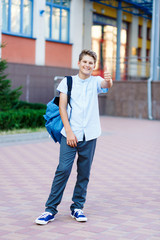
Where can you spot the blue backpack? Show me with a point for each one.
(52, 117)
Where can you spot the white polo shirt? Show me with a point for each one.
(84, 118)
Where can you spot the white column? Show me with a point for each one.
(87, 24)
(144, 41)
(155, 40)
(133, 44)
(0, 27)
(39, 31)
(76, 29)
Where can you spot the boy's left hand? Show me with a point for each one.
(107, 76)
(107, 83)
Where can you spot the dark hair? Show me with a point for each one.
(88, 52)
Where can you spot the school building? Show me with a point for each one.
(44, 38)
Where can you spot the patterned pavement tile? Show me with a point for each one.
(154, 238)
(123, 200)
(69, 237)
(83, 233)
(13, 236)
(49, 235)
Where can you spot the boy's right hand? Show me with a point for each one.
(71, 139)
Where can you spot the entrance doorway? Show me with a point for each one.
(104, 43)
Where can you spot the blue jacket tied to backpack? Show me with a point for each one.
(52, 117)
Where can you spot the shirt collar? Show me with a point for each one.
(83, 80)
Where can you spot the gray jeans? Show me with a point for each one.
(85, 151)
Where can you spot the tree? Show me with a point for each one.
(8, 97)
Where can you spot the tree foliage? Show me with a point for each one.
(8, 97)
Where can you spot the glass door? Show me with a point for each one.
(104, 43)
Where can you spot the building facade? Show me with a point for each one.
(44, 38)
(53, 32)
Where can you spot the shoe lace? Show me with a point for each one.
(45, 214)
(80, 212)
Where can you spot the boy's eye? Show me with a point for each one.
(91, 63)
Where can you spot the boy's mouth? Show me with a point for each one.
(87, 69)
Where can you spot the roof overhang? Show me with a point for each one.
(136, 7)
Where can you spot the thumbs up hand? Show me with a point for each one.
(107, 82)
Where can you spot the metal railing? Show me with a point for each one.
(130, 67)
(57, 80)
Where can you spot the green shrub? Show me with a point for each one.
(17, 119)
(24, 105)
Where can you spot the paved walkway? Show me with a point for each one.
(123, 200)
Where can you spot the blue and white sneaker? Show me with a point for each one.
(44, 218)
(78, 215)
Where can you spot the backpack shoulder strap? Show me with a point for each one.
(69, 84)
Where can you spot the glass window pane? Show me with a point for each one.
(55, 23)
(4, 15)
(15, 16)
(64, 33)
(97, 32)
(47, 22)
(27, 10)
(57, 2)
(96, 48)
(65, 3)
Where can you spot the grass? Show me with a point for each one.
(24, 130)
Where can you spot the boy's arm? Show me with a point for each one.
(71, 138)
(107, 82)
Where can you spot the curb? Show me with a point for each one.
(23, 137)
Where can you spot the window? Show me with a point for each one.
(17, 17)
(139, 54)
(148, 33)
(57, 20)
(147, 55)
(140, 31)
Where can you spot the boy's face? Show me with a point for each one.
(86, 65)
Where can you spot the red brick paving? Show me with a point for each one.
(123, 200)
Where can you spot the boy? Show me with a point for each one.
(79, 134)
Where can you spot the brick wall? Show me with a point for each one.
(129, 99)
(37, 81)
(126, 98)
